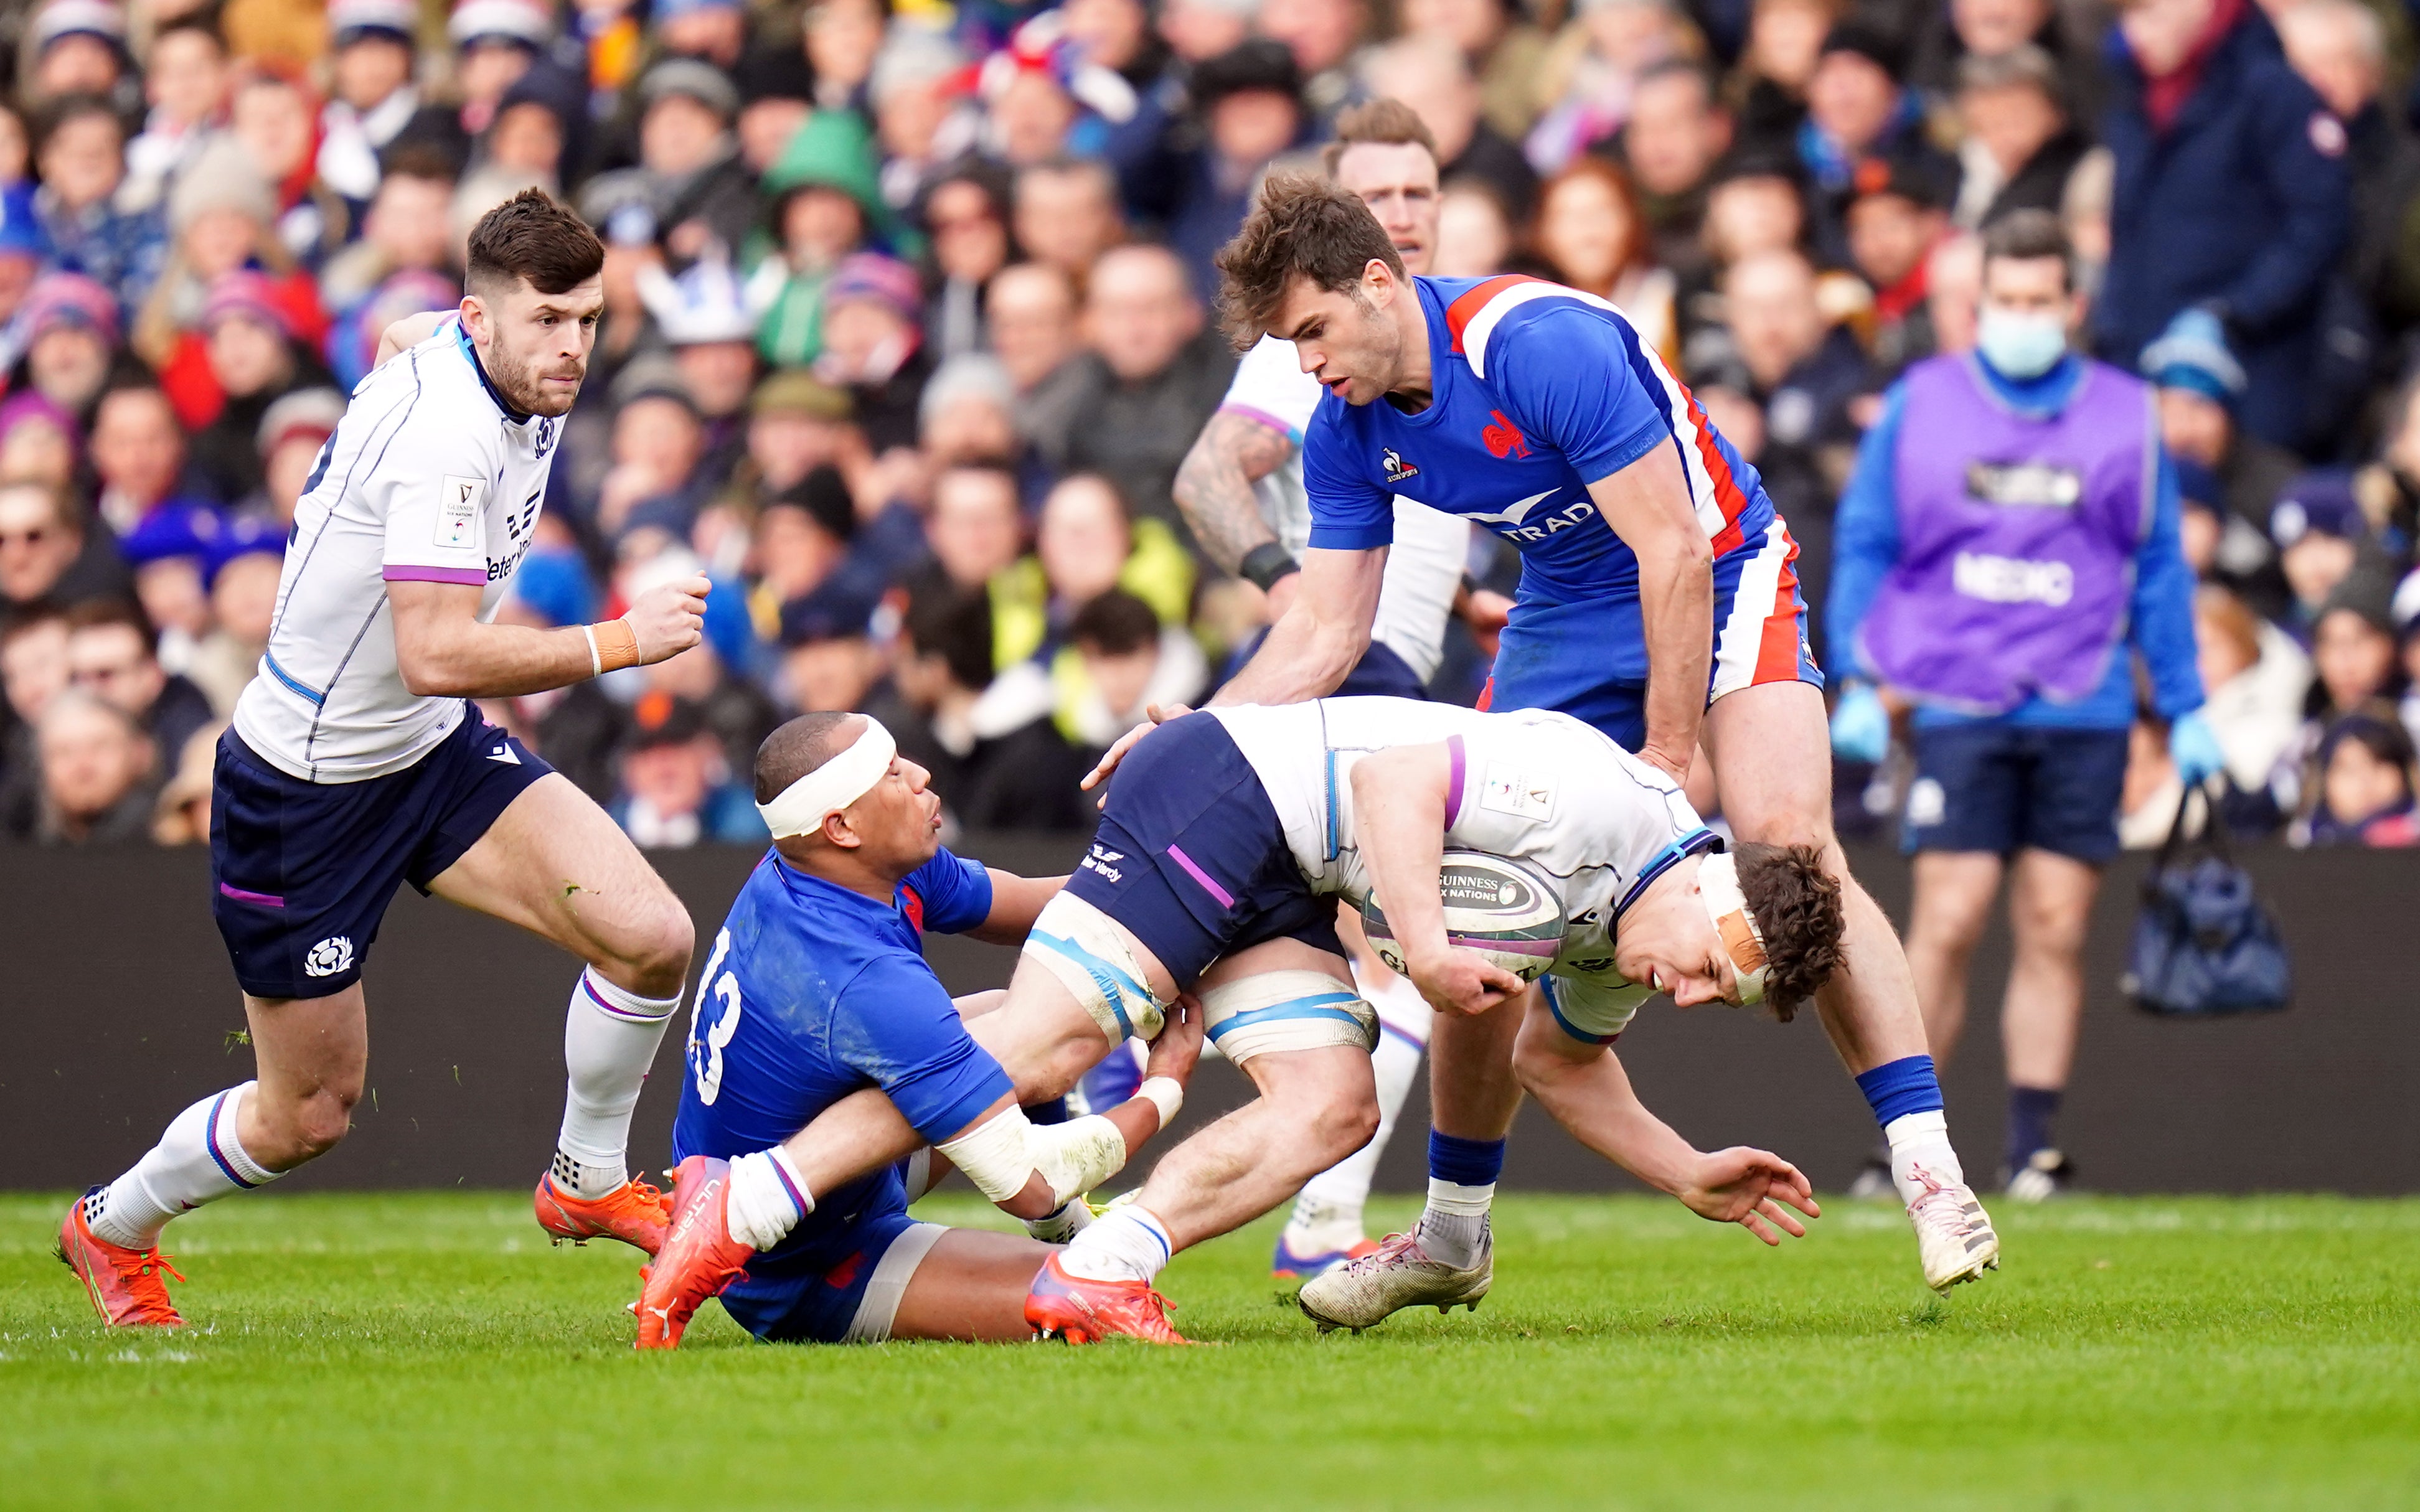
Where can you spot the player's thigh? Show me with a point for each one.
(1953, 896)
(1283, 994)
(305, 1048)
(1772, 754)
(971, 1286)
(1043, 1033)
(556, 864)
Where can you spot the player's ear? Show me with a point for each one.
(838, 833)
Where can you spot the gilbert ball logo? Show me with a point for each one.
(330, 956)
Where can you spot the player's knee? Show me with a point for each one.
(659, 949)
(307, 1127)
(1336, 1126)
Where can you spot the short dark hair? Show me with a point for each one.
(955, 626)
(2025, 234)
(27, 617)
(114, 614)
(415, 159)
(66, 111)
(1116, 623)
(1796, 903)
(1379, 123)
(794, 749)
(1303, 227)
(533, 237)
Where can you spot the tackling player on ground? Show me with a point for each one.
(1224, 849)
(816, 987)
(357, 762)
(1242, 494)
(1659, 603)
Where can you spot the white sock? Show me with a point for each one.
(1328, 1216)
(768, 1198)
(1124, 1244)
(610, 1036)
(1072, 1218)
(198, 1160)
(1453, 1227)
(1919, 1143)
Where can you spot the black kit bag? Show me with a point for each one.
(2203, 944)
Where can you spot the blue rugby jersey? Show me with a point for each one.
(814, 992)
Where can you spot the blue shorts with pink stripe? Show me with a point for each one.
(1190, 856)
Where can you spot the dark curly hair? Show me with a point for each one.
(1796, 904)
(1303, 227)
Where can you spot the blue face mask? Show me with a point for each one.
(2020, 345)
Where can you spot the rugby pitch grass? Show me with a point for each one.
(431, 1352)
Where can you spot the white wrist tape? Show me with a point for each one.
(845, 777)
(596, 658)
(994, 1155)
(1078, 1155)
(1164, 1095)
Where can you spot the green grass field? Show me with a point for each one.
(433, 1352)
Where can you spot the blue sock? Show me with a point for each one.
(1465, 1162)
(1899, 1087)
(2031, 1110)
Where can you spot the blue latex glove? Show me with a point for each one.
(1861, 726)
(2192, 744)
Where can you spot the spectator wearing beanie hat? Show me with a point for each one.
(373, 101)
(1862, 126)
(292, 433)
(874, 346)
(2200, 386)
(705, 197)
(823, 203)
(78, 46)
(68, 328)
(495, 43)
(248, 340)
(2321, 535)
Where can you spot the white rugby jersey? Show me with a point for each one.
(1425, 566)
(430, 477)
(1526, 782)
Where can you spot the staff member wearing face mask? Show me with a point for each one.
(2008, 545)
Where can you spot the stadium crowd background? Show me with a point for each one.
(908, 332)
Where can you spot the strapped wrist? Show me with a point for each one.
(1265, 564)
(612, 646)
(1165, 1094)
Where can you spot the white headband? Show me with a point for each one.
(1718, 884)
(847, 776)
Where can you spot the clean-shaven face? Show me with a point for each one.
(1668, 942)
(899, 818)
(1346, 338)
(535, 347)
(1398, 180)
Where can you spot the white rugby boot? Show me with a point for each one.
(1396, 1275)
(1953, 1233)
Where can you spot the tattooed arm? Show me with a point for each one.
(1214, 487)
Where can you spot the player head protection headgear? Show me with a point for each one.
(845, 777)
(1718, 885)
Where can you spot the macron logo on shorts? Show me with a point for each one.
(505, 754)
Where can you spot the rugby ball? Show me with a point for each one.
(1507, 910)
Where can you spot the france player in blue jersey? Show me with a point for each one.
(816, 989)
(1659, 602)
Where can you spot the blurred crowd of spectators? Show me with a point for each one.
(906, 334)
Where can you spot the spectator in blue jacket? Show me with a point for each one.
(2009, 536)
(2232, 197)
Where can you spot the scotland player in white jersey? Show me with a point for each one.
(1228, 839)
(1241, 489)
(357, 762)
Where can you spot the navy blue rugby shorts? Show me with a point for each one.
(301, 872)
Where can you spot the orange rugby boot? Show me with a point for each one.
(634, 1212)
(697, 1261)
(1083, 1311)
(129, 1288)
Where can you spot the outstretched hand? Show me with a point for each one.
(1749, 1187)
(1160, 713)
(1177, 1047)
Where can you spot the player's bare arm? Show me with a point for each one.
(442, 650)
(1314, 647)
(410, 331)
(1399, 801)
(1585, 1088)
(1214, 485)
(1646, 504)
(1015, 904)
